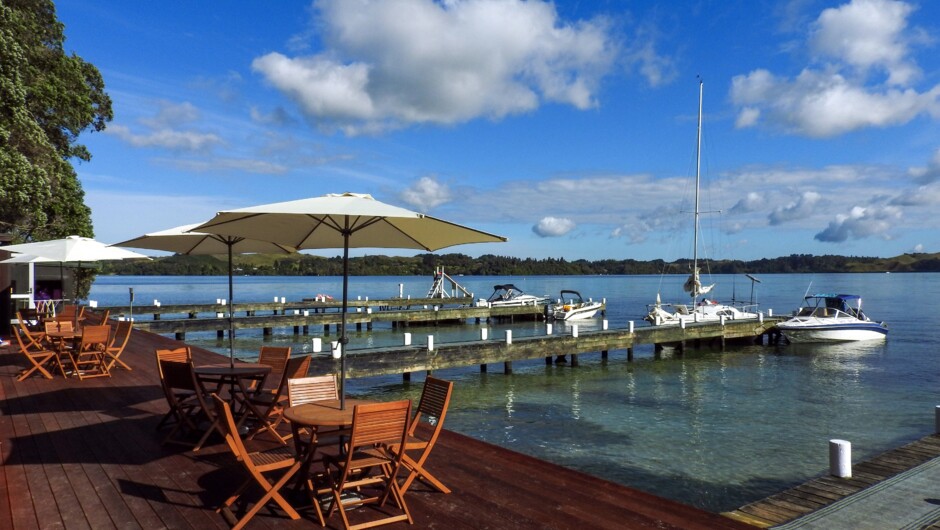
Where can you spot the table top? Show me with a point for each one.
(70, 334)
(239, 369)
(326, 412)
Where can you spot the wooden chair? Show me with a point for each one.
(432, 409)
(268, 408)
(276, 357)
(119, 340)
(89, 358)
(36, 337)
(258, 464)
(38, 357)
(314, 388)
(185, 396)
(369, 467)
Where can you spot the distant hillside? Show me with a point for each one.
(491, 265)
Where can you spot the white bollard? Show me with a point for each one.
(840, 458)
(156, 302)
(436, 308)
(770, 312)
(317, 344)
(430, 342)
(367, 299)
(401, 290)
(548, 328)
(219, 315)
(93, 303)
(223, 301)
(359, 297)
(407, 339)
(218, 300)
(722, 320)
(681, 322)
(631, 326)
(306, 312)
(334, 346)
(604, 324)
(760, 317)
(369, 310)
(297, 311)
(508, 336)
(283, 300)
(484, 333)
(359, 310)
(574, 331)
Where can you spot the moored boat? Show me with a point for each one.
(510, 295)
(831, 318)
(573, 307)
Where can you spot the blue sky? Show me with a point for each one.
(567, 127)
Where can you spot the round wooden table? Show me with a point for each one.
(323, 413)
(232, 375)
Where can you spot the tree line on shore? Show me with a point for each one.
(492, 265)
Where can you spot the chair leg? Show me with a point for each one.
(417, 471)
(272, 493)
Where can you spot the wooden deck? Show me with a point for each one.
(85, 454)
(825, 490)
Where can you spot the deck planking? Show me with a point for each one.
(86, 454)
(824, 490)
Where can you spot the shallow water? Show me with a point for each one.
(711, 429)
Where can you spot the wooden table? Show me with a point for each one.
(233, 376)
(314, 415)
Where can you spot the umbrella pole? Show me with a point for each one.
(231, 309)
(342, 338)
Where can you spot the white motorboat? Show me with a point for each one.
(705, 310)
(510, 295)
(573, 307)
(831, 318)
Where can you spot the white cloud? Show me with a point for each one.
(394, 63)
(751, 203)
(171, 115)
(859, 223)
(553, 227)
(804, 206)
(850, 45)
(867, 34)
(246, 165)
(427, 193)
(658, 69)
(167, 138)
(918, 248)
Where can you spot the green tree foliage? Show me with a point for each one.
(490, 265)
(47, 98)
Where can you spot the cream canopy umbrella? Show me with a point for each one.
(74, 249)
(182, 240)
(347, 220)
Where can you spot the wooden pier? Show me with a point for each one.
(419, 358)
(822, 491)
(86, 454)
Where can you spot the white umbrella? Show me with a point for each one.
(182, 240)
(26, 258)
(74, 248)
(343, 221)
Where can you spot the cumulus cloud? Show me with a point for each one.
(918, 248)
(859, 223)
(751, 203)
(804, 206)
(391, 64)
(929, 173)
(553, 227)
(851, 44)
(427, 193)
(658, 69)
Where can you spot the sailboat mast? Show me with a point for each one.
(698, 169)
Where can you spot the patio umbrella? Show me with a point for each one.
(182, 240)
(347, 220)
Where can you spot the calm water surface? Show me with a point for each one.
(711, 429)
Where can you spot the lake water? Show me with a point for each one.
(711, 429)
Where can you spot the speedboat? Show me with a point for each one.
(509, 295)
(573, 307)
(831, 318)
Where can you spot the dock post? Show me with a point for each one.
(407, 339)
(483, 368)
(358, 326)
(296, 330)
(326, 329)
(936, 420)
(840, 458)
(507, 367)
(406, 377)
(220, 333)
(574, 360)
(369, 326)
(306, 329)
(267, 331)
(180, 335)
(604, 354)
(548, 360)
(630, 354)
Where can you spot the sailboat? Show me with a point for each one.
(704, 310)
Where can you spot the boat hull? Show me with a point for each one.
(578, 314)
(834, 333)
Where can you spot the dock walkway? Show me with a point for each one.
(85, 454)
(898, 489)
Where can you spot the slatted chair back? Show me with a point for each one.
(38, 357)
(89, 360)
(270, 407)
(119, 340)
(184, 395)
(369, 467)
(276, 357)
(257, 464)
(432, 409)
(315, 388)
